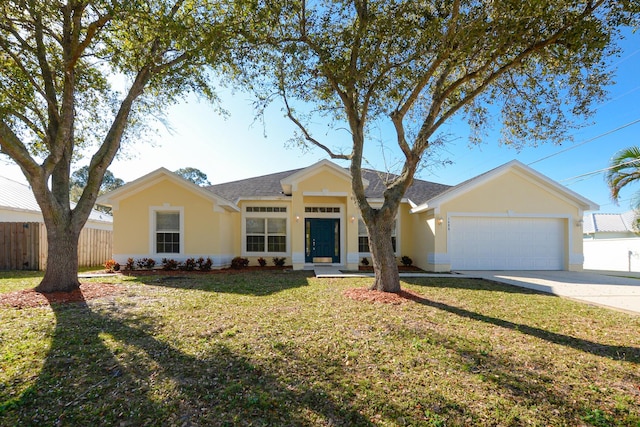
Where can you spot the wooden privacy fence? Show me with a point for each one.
(23, 246)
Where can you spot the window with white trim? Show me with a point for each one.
(363, 237)
(265, 229)
(167, 232)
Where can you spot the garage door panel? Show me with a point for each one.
(487, 243)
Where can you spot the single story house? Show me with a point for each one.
(23, 237)
(511, 217)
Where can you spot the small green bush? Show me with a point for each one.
(279, 261)
(262, 262)
(406, 261)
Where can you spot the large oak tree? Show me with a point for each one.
(62, 65)
(536, 66)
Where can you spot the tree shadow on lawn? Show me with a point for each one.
(470, 283)
(614, 352)
(105, 370)
(254, 283)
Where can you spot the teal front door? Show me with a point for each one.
(322, 240)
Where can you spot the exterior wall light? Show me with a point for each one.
(440, 220)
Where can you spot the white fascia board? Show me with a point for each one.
(521, 169)
(264, 198)
(155, 177)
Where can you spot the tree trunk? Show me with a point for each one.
(385, 267)
(61, 274)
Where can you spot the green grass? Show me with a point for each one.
(286, 349)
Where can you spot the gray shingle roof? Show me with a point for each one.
(259, 186)
(17, 196)
(269, 186)
(419, 192)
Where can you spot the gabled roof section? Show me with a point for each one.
(288, 183)
(156, 176)
(19, 197)
(419, 192)
(271, 186)
(514, 165)
(609, 222)
(259, 187)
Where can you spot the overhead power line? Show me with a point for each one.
(596, 172)
(586, 141)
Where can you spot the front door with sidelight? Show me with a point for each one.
(322, 240)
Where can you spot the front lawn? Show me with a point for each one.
(285, 349)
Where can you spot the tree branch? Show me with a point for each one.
(306, 133)
(431, 123)
(11, 145)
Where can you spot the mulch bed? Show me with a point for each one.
(367, 295)
(27, 298)
(401, 268)
(159, 271)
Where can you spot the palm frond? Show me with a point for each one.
(625, 170)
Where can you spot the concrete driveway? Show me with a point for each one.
(609, 289)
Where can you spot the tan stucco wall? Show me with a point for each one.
(206, 232)
(512, 195)
(325, 188)
(419, 230)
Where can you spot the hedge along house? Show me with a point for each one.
(511, 217)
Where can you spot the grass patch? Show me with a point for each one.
(284, 348)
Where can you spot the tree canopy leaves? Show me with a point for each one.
(82, 76)
(536, 67)
(194, 175)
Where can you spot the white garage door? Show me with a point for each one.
(485, 243)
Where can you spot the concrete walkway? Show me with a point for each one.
(608, 290)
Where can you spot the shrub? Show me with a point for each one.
(239, 262)
(169, 264)
(204, 265)
(111, 265)
(188, 265)
(364, 261)
(406, 261)
(147, 263)
(279, 261)
(130, 264)
(262, 262)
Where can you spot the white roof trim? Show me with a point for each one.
(156, 176)
(514, 165)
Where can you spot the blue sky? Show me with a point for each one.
(237, 146)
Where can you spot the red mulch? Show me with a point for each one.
(159, 271)
(364, 294)
(30, 298)
(401, 268)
